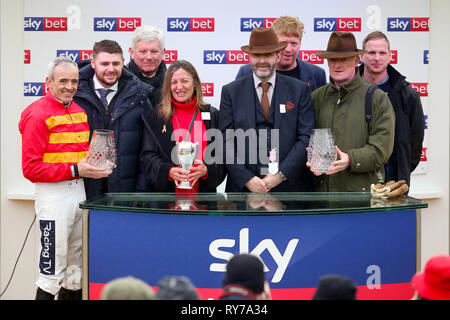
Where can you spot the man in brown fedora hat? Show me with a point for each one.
(266, 105)
(290, 30)
(364, 140)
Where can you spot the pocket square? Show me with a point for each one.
(289, 106)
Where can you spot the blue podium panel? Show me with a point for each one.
(375, 249)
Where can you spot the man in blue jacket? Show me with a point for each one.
(114, 99)
(290, 30)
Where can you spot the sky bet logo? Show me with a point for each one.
(116, 24)
(310, 56)
(170, 56)
(248, 24)
(27, 56)
(225, 57)
(423, 156)
(75, 55)
(34, 89)
(337, 24)
(190, 24)
(208, 89)
(426, 56)
(408, 24)
(421, 88)
(394, 57)
(45, 24)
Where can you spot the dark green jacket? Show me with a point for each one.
(369, 146)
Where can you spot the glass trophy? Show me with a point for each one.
(321, 150)
(102, 150)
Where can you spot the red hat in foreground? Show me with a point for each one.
(434, 282)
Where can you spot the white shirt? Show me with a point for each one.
(114, 88)
(259, 90)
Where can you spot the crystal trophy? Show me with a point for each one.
(321, 150)
(102, 150)
(187, 152)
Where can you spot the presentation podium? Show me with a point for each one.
(298, 236)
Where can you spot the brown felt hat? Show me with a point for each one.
(341, 45)
(263, 40)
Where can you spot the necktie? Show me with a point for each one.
(265, 99)
(103, 94)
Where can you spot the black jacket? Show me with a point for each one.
(157, 147)
(129, 103)
(409, 125)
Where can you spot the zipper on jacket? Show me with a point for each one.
(339, 97)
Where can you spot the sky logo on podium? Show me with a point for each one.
(224, 249)
(75, 55)
(408, 24)
(248, 24)
(337, 24)
(116, 23)
(45, 24)
(34, 89)
(190, 24)
(225, 57)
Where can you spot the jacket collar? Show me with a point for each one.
(129, 85)
(354, 84)
(396, 78)
(54, 101)
(156, 81)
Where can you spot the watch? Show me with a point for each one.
(282, 176)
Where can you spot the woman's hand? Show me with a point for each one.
(198, 171)
(178, 175)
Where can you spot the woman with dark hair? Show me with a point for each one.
(181, 116)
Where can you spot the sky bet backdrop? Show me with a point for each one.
(209, 34)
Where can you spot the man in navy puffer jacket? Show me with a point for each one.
(114, 99)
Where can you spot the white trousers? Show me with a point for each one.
(60, 222)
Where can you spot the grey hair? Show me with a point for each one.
(148, 33)
(59, 61)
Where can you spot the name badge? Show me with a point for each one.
(282, 108)
(206, 116)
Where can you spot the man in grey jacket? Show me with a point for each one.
(363, 147)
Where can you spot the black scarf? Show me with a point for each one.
(156, 81)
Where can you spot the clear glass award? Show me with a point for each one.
(321, 150)
(102, 150)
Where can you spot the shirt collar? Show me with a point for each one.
(98, 85)
(257, 81)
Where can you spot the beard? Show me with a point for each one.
(264, 74)
(108, 82)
